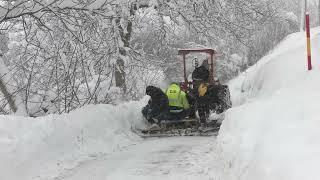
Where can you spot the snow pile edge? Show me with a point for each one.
(45, 145)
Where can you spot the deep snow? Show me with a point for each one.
(41, 148)
(270, 133)
(273, 131)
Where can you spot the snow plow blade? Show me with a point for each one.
(179, 128)
(163, 135)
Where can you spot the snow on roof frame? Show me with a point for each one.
(187, 51)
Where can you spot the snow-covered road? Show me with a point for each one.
(271, 133)
(164, 158)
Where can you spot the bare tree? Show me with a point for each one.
(7, 95)
(12, 96)
(66, 54)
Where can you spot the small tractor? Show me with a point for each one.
(221, 91)
(220, 95)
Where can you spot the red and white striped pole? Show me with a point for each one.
(308, 41)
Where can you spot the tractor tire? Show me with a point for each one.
(218, 98)
(224, 98)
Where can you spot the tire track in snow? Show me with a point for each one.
(169, 158)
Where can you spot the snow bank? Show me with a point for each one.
(272, 72)
(273, 131)
(47, 145)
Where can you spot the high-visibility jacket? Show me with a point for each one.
(177, 98)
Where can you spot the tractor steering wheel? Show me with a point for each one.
(195, 62)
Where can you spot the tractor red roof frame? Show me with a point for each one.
(187, 51)
(184, 52)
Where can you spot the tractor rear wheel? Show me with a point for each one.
(224, 99)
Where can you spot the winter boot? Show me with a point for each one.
(202, 127)
(154, 127)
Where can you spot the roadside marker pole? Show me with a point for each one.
(308, 41)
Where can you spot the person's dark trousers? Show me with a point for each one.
(148, 113)
(151, 114)
(178, 116)
(203, 111)
(191, 97)
(163, 115)
(203, 108)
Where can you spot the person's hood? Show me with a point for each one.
(151, 90)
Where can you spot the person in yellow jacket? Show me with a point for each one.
(179, 106)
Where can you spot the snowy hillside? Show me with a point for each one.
(273, 131)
